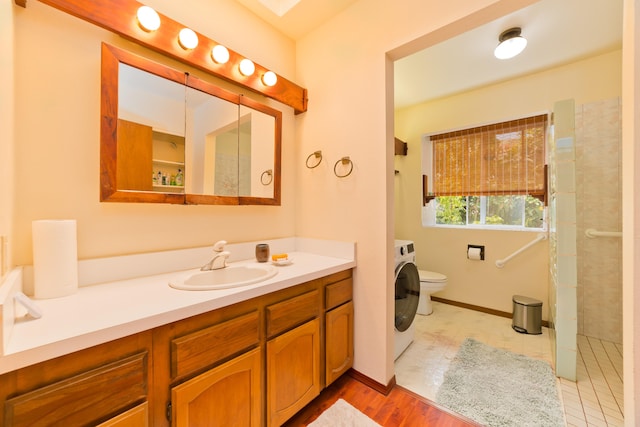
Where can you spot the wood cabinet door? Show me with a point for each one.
(339, 341)
(293, 371)
(135, 168)
(227, 395)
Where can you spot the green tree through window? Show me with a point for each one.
(498, 211)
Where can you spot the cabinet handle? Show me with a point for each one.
(169, 410)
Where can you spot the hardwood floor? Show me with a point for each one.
(400, 408)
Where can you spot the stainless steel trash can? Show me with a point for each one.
(527, 315)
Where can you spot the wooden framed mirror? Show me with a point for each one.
(168, 137)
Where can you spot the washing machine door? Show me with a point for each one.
(407, 295)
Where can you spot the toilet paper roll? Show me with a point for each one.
(55, 258)
(474, 254)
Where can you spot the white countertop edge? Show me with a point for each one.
(68, 325)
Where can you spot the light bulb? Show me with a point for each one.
(220, 54)
(188, 38)
(269, 78)
(247, 67)
(148, 18)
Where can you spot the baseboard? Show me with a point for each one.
(508, 315)
(380, 388)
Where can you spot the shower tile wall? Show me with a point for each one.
(599, 206)
(562, 239)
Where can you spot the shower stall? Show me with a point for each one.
(585, 223)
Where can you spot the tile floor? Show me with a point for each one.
(594, 400)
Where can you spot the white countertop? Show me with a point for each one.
(103, 312)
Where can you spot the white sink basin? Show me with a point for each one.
(228, 277)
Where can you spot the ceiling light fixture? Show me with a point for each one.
(148, 18)
(511, 44)
(269, 78)
(220, 54)
(247, 67)
(188, 38)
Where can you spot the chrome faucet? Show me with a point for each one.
(219, 259)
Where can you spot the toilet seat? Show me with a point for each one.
(431, 276)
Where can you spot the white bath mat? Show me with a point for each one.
(496, 387)
(341, 414)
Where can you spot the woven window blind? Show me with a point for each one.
(500, 159)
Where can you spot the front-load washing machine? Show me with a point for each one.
(407, 294)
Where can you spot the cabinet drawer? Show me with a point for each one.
(198, 350)
(336, 277)
(338, 293)
(292, 312)
(82, 399)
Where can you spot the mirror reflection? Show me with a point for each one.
(151, 139)
(212, 130)
(179, 139)
(256, 152)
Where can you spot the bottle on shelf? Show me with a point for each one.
(180, 178)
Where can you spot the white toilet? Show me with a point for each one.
(430, 282)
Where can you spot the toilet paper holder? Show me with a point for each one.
(469, 250)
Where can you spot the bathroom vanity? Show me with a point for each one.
(251, 356)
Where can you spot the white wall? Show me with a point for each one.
(444, 250)
(6, 128)
(345, 65)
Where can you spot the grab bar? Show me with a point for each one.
(592, 233)
(501, 262)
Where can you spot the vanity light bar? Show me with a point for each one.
(121, 17)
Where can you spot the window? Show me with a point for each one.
(489, 176)
(507, 212)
